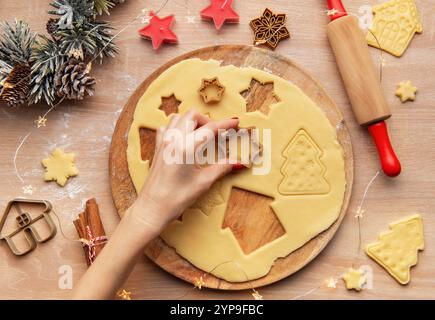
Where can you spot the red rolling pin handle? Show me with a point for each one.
(378, 130)
(337, 6)
(390, 164)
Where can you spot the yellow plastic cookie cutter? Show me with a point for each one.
(25, 225)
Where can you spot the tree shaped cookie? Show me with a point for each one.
(397, 249)
(59, 167)
(394, 26)
(303, 171)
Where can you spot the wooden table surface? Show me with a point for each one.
(86, 129)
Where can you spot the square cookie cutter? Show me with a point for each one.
(25, 224)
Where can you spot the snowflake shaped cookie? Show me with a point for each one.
(59, 167)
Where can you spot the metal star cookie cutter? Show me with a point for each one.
(25, 225)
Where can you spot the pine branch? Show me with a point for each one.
(16, 43)
(103, 6)
(72, 12)
(46, 59)
(92, 38)
(15, 46)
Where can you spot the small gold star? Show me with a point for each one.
(41, 122)
(383, 61)
(332, 12)
(124, 295)
(146, 16)
(406, 91)
(331, 283)
(28, 189)
(190, 19)
(76, 53)
(257, 295)
(199, 282)
(359, 213)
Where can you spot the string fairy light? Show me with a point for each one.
(16, 156)
(360, 210)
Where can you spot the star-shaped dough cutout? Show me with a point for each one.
(406, 91)
(270, 29)
(59, 167)
(159, 30)
(211, 90)
(220, 11)
(354, 279)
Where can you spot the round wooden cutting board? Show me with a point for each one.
(124, 193)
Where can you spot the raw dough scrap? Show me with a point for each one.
(199, 237)
(394, 26)
(59, 167)
(406, 91)
(397, 249)
(354, 279)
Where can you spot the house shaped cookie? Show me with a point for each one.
(394, 25)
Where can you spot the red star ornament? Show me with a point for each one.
(159, 30)
(220, 11)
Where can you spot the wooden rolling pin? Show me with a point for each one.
(361, 82)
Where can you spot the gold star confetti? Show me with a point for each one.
(406, 91)
(257, 295)
(145, 17)
(331, 283)
(332, 12)
(28, 189)
(41, 122)
(124, 295)
(198, 283)
(359, 213)
(354, 279)
(190, 19)
(76, 53)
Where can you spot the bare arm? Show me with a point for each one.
(160, 202)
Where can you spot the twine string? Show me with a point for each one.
(92, 243)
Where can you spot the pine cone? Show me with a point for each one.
(52, 26)
(16, 86)
(72, 80)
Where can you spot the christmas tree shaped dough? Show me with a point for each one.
(59, 167)
(199, 237)
(397, 249)
(303, 160)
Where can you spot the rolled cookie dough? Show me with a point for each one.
(306, 181)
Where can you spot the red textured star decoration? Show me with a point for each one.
(220, 11)
(159, 30)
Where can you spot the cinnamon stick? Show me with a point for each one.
(90, 228)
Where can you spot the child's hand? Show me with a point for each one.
(171, 188)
